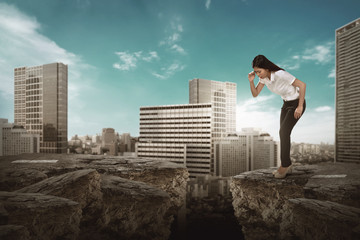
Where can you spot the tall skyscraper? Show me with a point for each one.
(126, 140)
(109, 141)
(347, 136)
(177, 133)
(41, 104)
(222, 95)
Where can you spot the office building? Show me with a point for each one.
(264, 151)
(249, 150)
(126, 141)
(40, 101)
(96, 139)
(231, 155)
(109, 141)
(14, 139)
(177, 133)
(347, 136)
(222, 96)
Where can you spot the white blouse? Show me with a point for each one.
(281, 83)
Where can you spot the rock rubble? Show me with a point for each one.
(315, 202)
(88, 197)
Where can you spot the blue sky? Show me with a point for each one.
(126, 54)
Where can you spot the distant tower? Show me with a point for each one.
(41, 104)
(249, 150)
(347, 136)
(222, 96)
(109, 141)
(126, 140)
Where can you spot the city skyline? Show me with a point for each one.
(144, 53)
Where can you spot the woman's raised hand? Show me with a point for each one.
(251, 76)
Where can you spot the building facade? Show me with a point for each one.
(109, 141)
(222, 96)
(14, 139)
(178, 133)
(126, 141)
(41, 105)
(347, 133)
(231, 155)
(249, 150)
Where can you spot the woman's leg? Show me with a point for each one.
(287, 123)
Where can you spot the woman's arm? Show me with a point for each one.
(302, 88)
(254, 90)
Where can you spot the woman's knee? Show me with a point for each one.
(284, 132)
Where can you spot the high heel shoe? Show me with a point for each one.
(275, 171)
(283, 175)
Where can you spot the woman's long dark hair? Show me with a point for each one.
(261, 61)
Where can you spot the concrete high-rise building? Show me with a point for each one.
(347, 136)
(178, 133)
(96, 139)
(126, 140)
(222, 96)
(249, 150)
(264, 152)
(41, 104)
(109, 141)
(231, 155)
(14, 139)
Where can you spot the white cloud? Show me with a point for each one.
(291, 64)
(169, 71)
(332, 73)
(207, 4)
(178, 49)
(323, 109)
(152, 55)
(21, 44)
(315, 126)
(172, 42)
(321, 54)
(128, 61)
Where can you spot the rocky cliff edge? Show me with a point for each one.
(314, 202)
(88, 197)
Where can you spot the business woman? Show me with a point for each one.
(292, 91)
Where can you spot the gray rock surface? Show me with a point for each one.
(134, 210)
(45, 217)
(13, 179)
(333, 221)
(261, 202)
(4, 215)
(109, 202)
(335, 182)
(14, 232)
(168, 176)
(82, 186)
